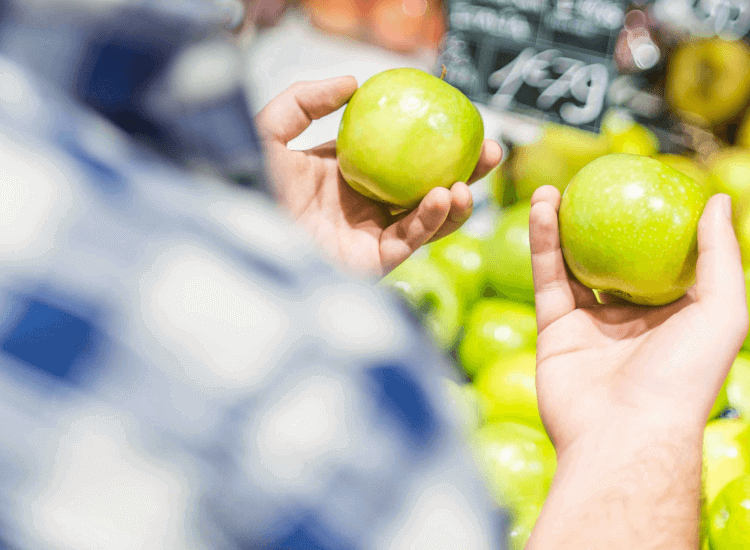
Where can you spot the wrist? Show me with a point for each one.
(630, 484)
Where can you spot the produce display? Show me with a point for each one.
(670, 128)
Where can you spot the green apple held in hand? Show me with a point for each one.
(509, 255)
(729, 522)
(431, 294)
(518, 462)
(405, 132)
(726, 454)
(628, 227)
(462, 258)
(495, 328)
(508, 388)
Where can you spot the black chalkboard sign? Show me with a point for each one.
(552, 59)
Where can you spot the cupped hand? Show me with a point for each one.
(605, 364)
(363, 235)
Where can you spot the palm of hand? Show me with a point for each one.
(597, 363)
(604, 361)
(348, 225)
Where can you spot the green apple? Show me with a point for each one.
(522, 525)
(624, 135)
(726, 454)
(431, 294)
(738, 384)
(729, 172)
(553, 158)
(509, 255)
(494, 328)
(405, 132)
(708, 81)
(628, 227)
(508, 388)
(729, 523)
(518, 462)
(687, 166)
(462, 258)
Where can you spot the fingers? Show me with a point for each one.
(399, 240)
(489, 158)
(291, 112)
(554, 292)
(462, 205)
(720, 281)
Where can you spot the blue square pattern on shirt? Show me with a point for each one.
(402, 397)
(50, 338)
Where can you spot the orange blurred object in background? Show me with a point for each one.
(400, 25)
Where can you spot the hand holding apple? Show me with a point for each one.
(622, 380)
(360, 233)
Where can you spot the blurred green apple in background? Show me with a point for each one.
(729, 172)
(708, 81)
(729, 524)
(461, 257)
(508, 388)
(628, 227)
(726, 454)
(738, 384)
(522, 525)
(508, 254)
(624, 135)
(493, 328)
(518, 462)
(557, 154)
(431, 294)
(687, 166)
(404, 132)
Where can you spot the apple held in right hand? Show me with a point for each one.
(628, 227)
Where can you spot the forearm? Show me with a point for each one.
(625, 488)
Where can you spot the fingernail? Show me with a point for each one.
(728, 207)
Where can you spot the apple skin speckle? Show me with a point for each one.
(628, 227)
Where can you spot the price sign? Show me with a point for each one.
(549, 58)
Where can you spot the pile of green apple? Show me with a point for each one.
(474, 294)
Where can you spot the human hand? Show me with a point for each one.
(597, 361)
(625, 391)
(360, 233)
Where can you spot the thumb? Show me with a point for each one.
(290, 113)
(720, 281)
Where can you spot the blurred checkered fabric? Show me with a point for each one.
(178, 368)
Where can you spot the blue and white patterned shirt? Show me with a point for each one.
(178, 367)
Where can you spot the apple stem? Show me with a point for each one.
(442, 75)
